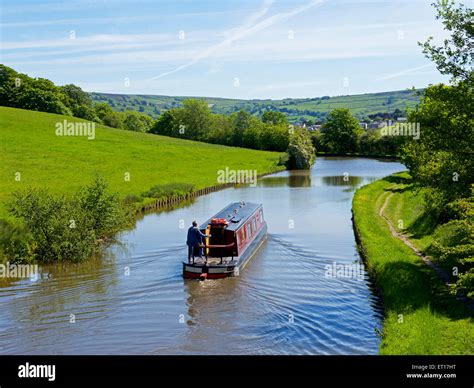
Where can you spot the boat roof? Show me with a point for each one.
(236, 213)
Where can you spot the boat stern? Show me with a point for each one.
(203, 272)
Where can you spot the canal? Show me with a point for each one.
(133, 300)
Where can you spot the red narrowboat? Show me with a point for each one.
(237, 231)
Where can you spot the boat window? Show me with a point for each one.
(249, 230)
(261, 216)
(255, 224)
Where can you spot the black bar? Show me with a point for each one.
(359, 369)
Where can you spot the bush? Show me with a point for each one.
(454, 243)
(16, 242)
(301, 151)
(106, 212)
(60, 230)
(135, 121)
(68, 228)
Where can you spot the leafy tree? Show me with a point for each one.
(442, 158)
(300, 150)
(167, 124)
(242, 120)
(86, 112)
(274, 137)
(221, 130)
(274, 117)
(341, 132)
(135, 121)
(20, 91)
(195, 115)
(108, 116)
(76, 96)
(456, 56)
(441, 161)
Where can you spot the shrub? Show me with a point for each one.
(454, 243)
(60, 230)
(16, 242)
(105, 211)
(301, 151)
(68, 228)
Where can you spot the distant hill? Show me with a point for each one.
(297, 109)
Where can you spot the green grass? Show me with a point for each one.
(421, 317)
(407, 213)
(29, 146)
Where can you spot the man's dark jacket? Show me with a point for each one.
(195, 236)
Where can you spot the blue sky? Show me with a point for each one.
(236, 48)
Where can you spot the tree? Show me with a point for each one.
(274, 117)
(456, 56)
(195, 117)
(441, 161)
(167, 124)
(76, 96)
(221, 130)
(108, 116)
(274, 137)
(20, 91)
(442, 158)
(241, 121)
(135, 121)
(300, 151)
(341, 132)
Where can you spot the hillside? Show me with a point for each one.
(29, 146)
(360, 105)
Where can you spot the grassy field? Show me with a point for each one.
(29, 146)
(360, 105)
(421, 317)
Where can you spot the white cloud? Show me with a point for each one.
(405, 72)
(247, 29)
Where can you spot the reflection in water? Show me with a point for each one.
(291, 179)
(134, 300)
(342, 180)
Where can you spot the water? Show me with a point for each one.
(134, 300)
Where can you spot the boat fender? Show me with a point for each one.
(203, 276)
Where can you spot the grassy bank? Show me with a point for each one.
(131, 162)
(421, 317)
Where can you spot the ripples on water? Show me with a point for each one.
(134, 300)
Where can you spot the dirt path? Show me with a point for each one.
(443, 275)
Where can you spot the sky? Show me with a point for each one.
(266, 49)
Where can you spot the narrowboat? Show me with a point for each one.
(237, 232)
